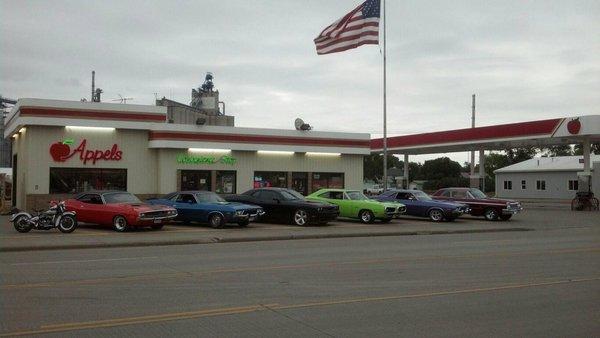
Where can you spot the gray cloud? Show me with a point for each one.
(525, 59)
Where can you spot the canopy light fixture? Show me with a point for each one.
(90, 128)
(205, 150)
(323, 154)
(275, 152)
(22, 130)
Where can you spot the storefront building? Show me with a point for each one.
(60, 148)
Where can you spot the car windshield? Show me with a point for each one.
(121, 197)
(356, 195)
(291, 195)
(421, 196)
(477, 193)
(209, 198)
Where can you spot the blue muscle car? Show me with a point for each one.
(208, 207)
(420, 204)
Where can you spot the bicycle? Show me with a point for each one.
(584, 201)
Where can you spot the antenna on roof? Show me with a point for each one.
(122, 99)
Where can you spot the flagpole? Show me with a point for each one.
(384, 105)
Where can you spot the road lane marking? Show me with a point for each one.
(84, 261)
(259, 307)
(199, 273)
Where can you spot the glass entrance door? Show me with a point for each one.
(300, 183)
(195, 180)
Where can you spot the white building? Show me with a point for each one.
(547, 178)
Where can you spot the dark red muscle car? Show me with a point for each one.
(120, 209)
(491, 208)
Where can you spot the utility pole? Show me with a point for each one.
(472, 126)
(93, 85)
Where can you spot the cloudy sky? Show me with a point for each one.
(525, 60)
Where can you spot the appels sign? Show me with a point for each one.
(61, 151)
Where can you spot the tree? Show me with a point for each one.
(440, 168)
(579, 149)
(560, 150)
(373, 166)
(516, 155)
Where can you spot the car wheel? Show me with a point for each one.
(157, 226)
(21, 224)
(436, 215)
(120, 224)
(244, 223)
(67, 224)
(300, 217)
(505, 217)
(366, 216)
(490, 214)
(216, 221)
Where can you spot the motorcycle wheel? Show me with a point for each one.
(67, 224)
(21, 225)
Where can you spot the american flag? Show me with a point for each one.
(357, 28)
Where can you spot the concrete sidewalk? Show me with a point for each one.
(87, 236)
(99, 237)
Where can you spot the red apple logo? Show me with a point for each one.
(574, 126)
(59, 151)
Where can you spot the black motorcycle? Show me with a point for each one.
(55, 217)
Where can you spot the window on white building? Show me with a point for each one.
(507, 185)
(573, 185)
(523, 185)
(540, 185)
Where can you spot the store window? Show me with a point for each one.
(267, 179)
(195, 180)
(327, 180)
(573, 185)
(300, 183)
(225, 182)
(76, 180)
(507, 185)
(540, 185)
(523, 185)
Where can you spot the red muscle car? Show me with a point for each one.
(120, 209)
(479, 203)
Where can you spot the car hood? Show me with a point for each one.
(144, 207)
(446, 204)
(495, 200)
(393, 204)
(316, 204)
(235, 205)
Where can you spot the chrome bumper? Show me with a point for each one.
(512, 211)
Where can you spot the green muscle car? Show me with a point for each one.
(354, 204)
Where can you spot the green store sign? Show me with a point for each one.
(193, 159)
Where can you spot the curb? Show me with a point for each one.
(215, 240)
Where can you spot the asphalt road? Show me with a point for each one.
(537, 283)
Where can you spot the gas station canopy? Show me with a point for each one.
(568, 130)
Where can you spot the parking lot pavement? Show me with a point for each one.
(89, 236)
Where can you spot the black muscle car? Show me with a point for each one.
(287, 206)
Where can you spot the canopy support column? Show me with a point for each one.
(482, 169)
(587, 173)
(406, 171)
